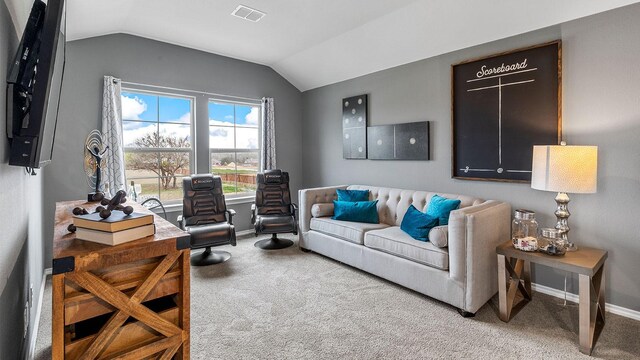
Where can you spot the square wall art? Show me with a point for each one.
(408, 141)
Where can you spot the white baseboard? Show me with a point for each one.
(34, 332)
(614, 309)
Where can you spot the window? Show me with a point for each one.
(234, 145)
(158, 146)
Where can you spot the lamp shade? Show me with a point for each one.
(564, 168)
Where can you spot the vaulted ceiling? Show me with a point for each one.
(318, 42)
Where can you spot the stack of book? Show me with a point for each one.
(116, 229)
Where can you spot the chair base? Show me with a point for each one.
(273, 244)
(208, 257)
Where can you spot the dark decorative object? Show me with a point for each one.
(111, 204)
(503, 105)
(354, 127)
(94, 157)
(408, 141)
(115, 204)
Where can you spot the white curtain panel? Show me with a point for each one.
(113, 173)
(268, 158)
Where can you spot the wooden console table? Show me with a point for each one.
(129, 301)
(514, 281)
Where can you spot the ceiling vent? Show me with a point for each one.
(248, 13)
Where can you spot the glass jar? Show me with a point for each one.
(550, 242)
(524, 230)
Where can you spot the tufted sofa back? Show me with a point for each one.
(394, 203)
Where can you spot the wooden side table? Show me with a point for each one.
(129, 301)
(514, 283)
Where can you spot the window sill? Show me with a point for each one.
(241, 200)
(233, 201)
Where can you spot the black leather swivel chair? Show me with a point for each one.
(206, 217)
(273, 212)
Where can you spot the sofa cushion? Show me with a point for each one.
(418, 224)
(345, 230)
(352, 195)
(359, 211)
(440, 207)
(439, 236)
(394, 241)
(322, 209)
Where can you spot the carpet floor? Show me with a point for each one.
(292, 305)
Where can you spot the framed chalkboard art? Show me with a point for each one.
(502, 105)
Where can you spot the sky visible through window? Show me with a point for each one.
(222, 131)
(147, 110)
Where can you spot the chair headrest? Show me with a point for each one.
(275, 176)
(203, 181)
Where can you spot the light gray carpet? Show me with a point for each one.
(292, 305)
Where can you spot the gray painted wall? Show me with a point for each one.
(21, 246)
(601, 106)
(140, 60)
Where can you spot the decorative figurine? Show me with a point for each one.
(94, 157)
(115, 204)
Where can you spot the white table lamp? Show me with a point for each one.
(565, 169)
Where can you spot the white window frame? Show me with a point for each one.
(245, 195)
(191, 150)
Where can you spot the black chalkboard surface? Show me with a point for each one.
(503, 105)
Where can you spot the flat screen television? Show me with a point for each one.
(34, 83)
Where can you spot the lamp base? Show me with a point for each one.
(562, 215)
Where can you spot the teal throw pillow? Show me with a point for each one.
(353, 195)
(440, 207)
(359, 211)
(418, 224)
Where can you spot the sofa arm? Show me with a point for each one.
(474, 233)
(308, 197)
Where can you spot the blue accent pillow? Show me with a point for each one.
(418, 224)
(359, 211)
(353, 195)
(440, 208)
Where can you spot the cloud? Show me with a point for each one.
(253, 143)
(135, 130)
(184, 119)
(252, 116)
(223, 138)
(178, 131)
(132, 107)
(219, 133)
(219, 123)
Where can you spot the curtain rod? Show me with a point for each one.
(187, 90)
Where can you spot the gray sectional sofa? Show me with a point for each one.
(457, 265)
